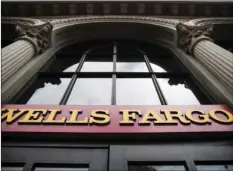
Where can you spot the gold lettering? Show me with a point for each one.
(229, 115)
(52, 117)
(203, 118)
(74, 116)
(129, 116)
(99, 117)
(151, 116)
(11, 114)
(33, 116)
(171, 114)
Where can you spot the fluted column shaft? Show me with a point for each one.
(218, 60)
(196, 41)
(15, 56)
(33, 40)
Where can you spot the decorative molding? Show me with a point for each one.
(188, 36)
(5, 10)
(215, 20)
(174, 9)
(65, 21)
(39, 9)
(141, 8)
(107, 8)
(72, 9)
(158, 9)
(90, 9)
(192, 9)
(169, 22)
(56, 9)
(208, 10)
(224, 10)
(72, 20)
(15, 20)
(22, 10)
(188, 33)
(38, 36)
(123, 8)
(148, 8)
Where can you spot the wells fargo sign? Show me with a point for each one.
(116, 119)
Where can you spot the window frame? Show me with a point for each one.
(114, 75)
(96, 159)
(188, 154)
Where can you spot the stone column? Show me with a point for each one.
(195, 41)
(32, 41)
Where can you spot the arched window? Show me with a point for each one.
(114, 73)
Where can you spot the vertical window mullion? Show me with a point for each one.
(159, 91)
(114, 74)
(66, 95)
(28, 166)
(154, 79)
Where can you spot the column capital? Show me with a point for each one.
(38, 35)
(188, 36)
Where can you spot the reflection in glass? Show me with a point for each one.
(91, 91)
(176, 93)
(136, 91)
(9, 168)
(59, 169)
(215, 167)
(97, 67)
(65, 64)
(157, 168)
(157, 68)
(131, 67)
(49, 93)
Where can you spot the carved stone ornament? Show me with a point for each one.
(188, 36)
(38, 35)
(169, 22)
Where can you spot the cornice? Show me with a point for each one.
(74, 20)
(64, 22)
(194, 28)
(28, 21)
(204, 21)
(147, 8)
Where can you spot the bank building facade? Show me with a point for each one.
(117, 85)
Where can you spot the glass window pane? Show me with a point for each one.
(139, 91)
(71, 68)
(215, 167)
(46, 91)
(9, 168)
(90, 91)
(130, 60)
(59, 169)
(157, 168)
(99, 60)
(157, 68)
(177, 94)
(97, 67)
(131, 67)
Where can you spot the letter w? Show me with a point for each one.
(11, 114)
